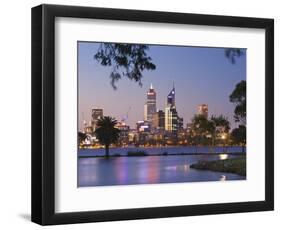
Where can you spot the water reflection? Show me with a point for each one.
(147, 170)
(178, 168)
(121, 170)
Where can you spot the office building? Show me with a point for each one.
(158, 120)
(150, 105)
(172, 121)
(96, 115)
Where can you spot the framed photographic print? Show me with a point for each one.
(142, 114)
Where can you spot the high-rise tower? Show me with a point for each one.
(172, 120)
(171, 98)
(96, 115)
(150, 105)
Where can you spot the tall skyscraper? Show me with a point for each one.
(171, 118)
(150, 105)
(171, 98)
(172, 121)
(161, 119)
(158, 120)
(203, 110)
(96, 115)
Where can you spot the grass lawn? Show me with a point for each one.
(236, 165)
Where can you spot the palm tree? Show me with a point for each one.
(106, 132)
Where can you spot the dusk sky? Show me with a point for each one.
(201, 76)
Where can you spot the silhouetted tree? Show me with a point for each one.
(238, 136)
(221, 124)
(201, 128)
(238, 97)
(128, 60)
(233, 53)
(106, 132)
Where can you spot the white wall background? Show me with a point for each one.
(15, 113)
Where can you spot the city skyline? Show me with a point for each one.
(195, 87)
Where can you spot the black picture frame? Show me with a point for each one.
(43, 114)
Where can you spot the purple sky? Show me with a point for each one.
(201, 76)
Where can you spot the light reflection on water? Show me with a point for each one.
(178, 167)
(98, 171)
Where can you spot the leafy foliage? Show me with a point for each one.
(201, 129)
(106, 132)
(238, 97)
(126, 60)
(201, 124)
(221, 122)
(238, 135)
(233, 53)
(221, 126)
(206, 131)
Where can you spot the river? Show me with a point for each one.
(98, 171)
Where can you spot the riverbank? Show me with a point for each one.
(144, 154)
(161, 151)
(236, 165)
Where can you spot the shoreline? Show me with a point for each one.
(236, 166)
(167, 155)
(163, 146)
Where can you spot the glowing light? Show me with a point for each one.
(223, 156)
